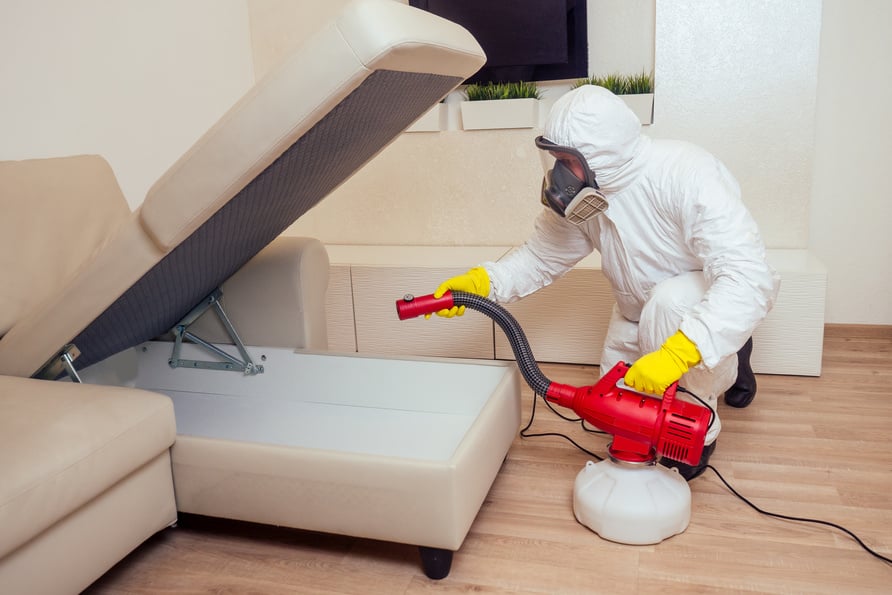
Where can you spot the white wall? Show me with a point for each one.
(136, 82)
(621, 36)
(851, 209)
(739, 78)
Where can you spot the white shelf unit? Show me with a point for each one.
(367, 280)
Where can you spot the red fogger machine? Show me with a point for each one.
(628, 497)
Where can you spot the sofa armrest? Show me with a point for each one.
(277, 299)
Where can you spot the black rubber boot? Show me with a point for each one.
(743, 391)
(687, 471)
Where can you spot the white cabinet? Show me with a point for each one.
(564, 322)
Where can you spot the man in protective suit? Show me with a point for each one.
(681, 251)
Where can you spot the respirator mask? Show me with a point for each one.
(569, 185)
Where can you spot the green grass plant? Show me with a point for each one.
(621, 84)
(490, 91)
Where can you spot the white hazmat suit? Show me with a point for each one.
(677, 244)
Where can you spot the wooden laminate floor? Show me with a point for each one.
(807, 447)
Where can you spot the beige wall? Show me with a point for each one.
(851, 208)
(136, 82)
(139, 82)
(454, 187)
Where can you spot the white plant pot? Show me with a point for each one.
(643, 106)
(500, 113)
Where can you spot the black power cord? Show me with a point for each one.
(524, 433)
(801, 519)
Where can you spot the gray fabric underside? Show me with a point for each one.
(329, 153)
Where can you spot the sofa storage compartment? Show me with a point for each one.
(397, 449)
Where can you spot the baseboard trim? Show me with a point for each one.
(858, 331)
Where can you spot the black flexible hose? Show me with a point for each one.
(529, 369)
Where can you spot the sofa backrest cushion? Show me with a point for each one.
(56, 213)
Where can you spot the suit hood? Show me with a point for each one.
(601, 126)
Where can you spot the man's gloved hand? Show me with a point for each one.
(654, 372)
(475, 281)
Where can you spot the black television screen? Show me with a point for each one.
(524, 40)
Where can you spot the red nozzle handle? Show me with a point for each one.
(411, 306)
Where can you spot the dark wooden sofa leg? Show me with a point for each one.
(436, 562)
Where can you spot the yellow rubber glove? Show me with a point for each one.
(475, 281)
(654, 372)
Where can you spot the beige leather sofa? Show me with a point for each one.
(91, 470)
